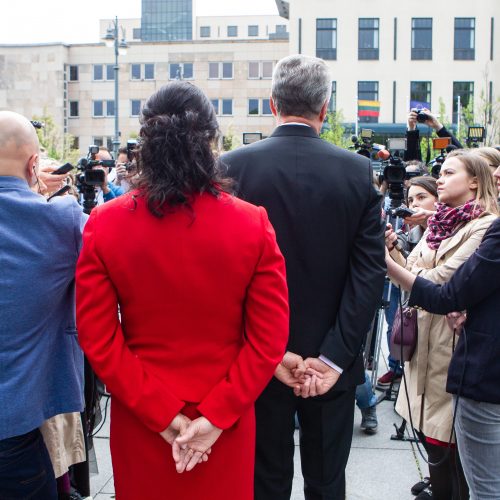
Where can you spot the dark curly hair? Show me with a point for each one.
(175, 152)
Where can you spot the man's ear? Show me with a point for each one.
(31, 171)
(274, 111)
(324, 111)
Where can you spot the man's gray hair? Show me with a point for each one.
(301, 86)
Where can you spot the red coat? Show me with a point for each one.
(204, 313)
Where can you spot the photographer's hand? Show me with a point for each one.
(412, 120)
(432, 122)
(390, 237)
(121, 172)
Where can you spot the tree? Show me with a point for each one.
(335, 133)
(229, 140)
(57, 145)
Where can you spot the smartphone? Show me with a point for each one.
(60, 192)
(67, 167)
(402, 212)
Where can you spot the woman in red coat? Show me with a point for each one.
(200, 285)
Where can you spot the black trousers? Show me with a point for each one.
(326, 426)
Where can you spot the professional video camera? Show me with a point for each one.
(394, 175)
(89, 179)
(364, 144)
(475, 135)
(444, 146)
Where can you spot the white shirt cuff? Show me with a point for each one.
(331, 364)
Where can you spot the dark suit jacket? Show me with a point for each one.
(327, 218)
(475, 286)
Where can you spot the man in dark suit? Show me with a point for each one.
(327, 217)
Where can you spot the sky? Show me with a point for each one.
(76, 21)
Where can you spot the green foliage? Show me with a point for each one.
(58, 146)
(229, 140)
(335, 133)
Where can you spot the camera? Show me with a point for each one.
(131, 155)
(421, 116)
(394, 175)
(364, 145)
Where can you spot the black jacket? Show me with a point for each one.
(327, 218)
(475, 286)
(413, 151)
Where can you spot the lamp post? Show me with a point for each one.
(111, 39)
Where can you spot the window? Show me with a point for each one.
(368, 36)
(97, 141)
(135, 71)
(253, 30)
(204, 31)
(110, 72)
(326, 38)
(227, 106)
(181, 71)
(110, 108)
(135, 107)
(367, 91)
(464, 90)
(73, 109)
(254, 109)
(101, 70)
(217, 70)
(149, 71)
(76, 143)
(464, 38)
(98, 108)
(332, 105)
(136, 33)
(281, 28)
(420, 95)
(421, 38)
(73, 73)
(253, 106)
(266, 107)
(260, 69)
(142, 71)
(215, 104)
(98, 72)
(232, 31)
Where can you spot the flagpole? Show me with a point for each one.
(357, 117)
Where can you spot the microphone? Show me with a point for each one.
(383, 155)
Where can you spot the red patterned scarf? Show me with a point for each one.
(443, 223)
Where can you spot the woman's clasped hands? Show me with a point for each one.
(191, 440)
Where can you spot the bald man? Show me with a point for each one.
(41, 365)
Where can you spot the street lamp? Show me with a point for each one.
(111, 39)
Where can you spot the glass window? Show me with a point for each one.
(204, 31)
(98, 108)
(253, 69)
(98, 74)
(368, 36)
(464, 90)
(266, 107)
(110, 108)
(326, 38)
(174, 71)
(227, 70)
(227, 106)
(464, 38)
(73, 109)
(188, 71)
(135, 71)
(420, 95)
(281, 28)
(267, 69)
(136, 33)
(109, 143)
(213, 70)
(253, 106)
(97, 141)
(215, 104)
(73, 73)
(421, 38)
(149, 71)
(368, 91)
(253, 30)
(110, 72)
(135, 107)
(232, 31)
(166, 20)
(332, 105)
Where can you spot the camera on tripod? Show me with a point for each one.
(90, 176)
(364, 144)
(394, 175)
(442, 144)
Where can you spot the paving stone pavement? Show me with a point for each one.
(378, 468)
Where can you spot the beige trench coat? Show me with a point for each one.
(63, 436)
(426, 373)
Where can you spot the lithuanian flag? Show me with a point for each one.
(369, 110)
